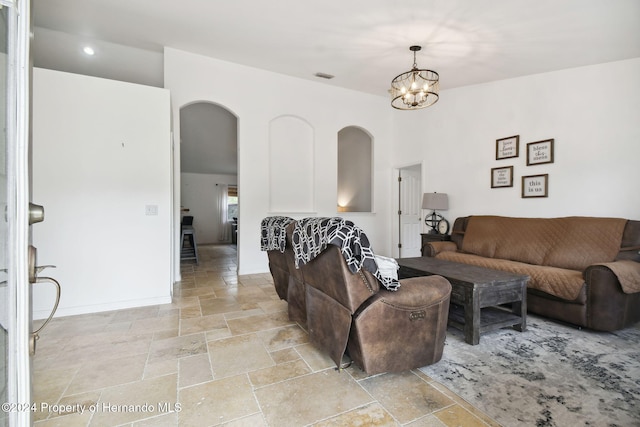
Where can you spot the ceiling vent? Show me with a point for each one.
(324, 76)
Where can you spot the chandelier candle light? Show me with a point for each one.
(415, 89)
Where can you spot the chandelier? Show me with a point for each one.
(416, 88)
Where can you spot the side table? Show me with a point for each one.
(436, 237)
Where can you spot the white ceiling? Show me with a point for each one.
(364, 43)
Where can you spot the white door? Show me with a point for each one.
(15, 290)
(410, 211)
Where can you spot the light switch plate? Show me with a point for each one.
(151, 210)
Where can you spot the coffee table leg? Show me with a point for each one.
(520, 309)
(516, 308)
(472, 319)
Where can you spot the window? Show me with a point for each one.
(232, 203)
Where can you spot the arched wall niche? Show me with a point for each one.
(355, 158)
(291, 165)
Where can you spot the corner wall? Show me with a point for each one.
(591, 112)
(101, 155)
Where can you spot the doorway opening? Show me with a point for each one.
(209, 172)
(409, 211)
(232, 212)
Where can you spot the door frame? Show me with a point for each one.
(18, 134)
(396, 234)
(177, 178)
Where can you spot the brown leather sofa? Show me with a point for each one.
(345, 312)
(584, 270)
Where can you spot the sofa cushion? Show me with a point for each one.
(586, 241)
(571, 242)
(517, 239)
(560, 282)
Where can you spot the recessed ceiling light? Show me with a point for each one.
(89, 50)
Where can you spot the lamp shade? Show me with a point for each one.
(435, 201)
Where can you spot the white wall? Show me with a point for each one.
(327, 109)
(590, 112)
(593, 113)
(101, 154)
(199, 194)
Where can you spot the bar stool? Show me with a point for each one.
(187, 232)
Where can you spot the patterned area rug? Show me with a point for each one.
(550, 375)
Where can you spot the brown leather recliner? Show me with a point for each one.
(288, 280)
(279, 271)
(273, 241)
(295, 293)
(383, 331)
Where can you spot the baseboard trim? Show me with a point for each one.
(98, 308)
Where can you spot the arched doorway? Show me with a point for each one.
(209, 171)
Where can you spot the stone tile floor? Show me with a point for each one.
(222, 353)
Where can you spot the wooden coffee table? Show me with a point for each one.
(476, 295)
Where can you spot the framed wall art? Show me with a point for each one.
(507, 148)
(502, 177)
(540, 152)
(535, 186)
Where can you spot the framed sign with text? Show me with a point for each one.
(535, 186)
(502, 177)
(540, 152)
(507, 148)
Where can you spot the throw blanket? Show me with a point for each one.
(274, 233)
(628, 273)
(312, 235)
(569, 242)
